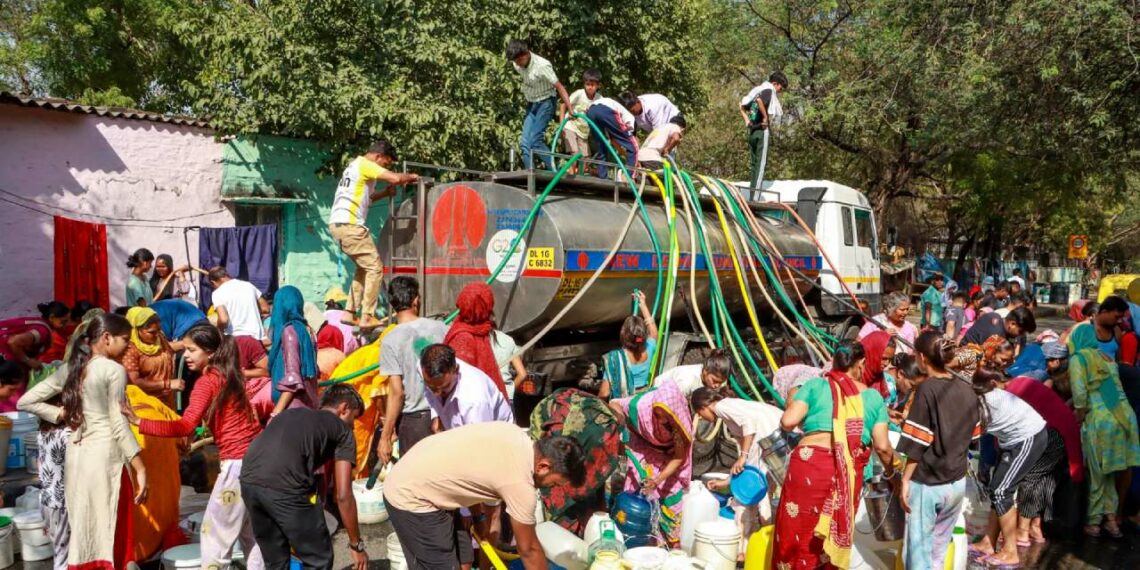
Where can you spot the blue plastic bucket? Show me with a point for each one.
(749, 486)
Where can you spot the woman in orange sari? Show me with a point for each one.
(373, 388)
(156, 520)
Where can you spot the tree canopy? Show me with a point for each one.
(1001, 117)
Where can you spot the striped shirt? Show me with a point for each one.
(538, 78)
(942, 422)
(350, 205)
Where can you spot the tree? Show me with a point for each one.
(431, 76)
(993, 114)
(117, 53)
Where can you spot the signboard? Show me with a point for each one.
(1078, 247)
(540, 258)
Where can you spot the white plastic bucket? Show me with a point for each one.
(35, 544)
(395, 553)
(370, 507)
(22, 423)
(185, 556)
(190, 556)
(11, 512)
(32, 452)
(717, 543)
(561, 546)
(645, 558)
(7, 553)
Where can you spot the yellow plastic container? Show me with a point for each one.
(758, 555)
(1116, 285)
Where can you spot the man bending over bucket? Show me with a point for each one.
(279, 487)
(348, 225)
(467, 467)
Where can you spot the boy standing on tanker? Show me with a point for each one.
(758, 107)
(347, 224)
(577, 132)
(539, 85)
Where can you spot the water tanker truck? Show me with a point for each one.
(448, 234)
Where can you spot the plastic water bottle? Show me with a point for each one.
(607, 543)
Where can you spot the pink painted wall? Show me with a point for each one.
(94, 168)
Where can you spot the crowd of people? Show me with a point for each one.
(120, 395)
(1044, 415)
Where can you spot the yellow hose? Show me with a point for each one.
(810, 342)
(740, 280)
(693, 265)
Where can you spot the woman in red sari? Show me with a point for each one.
(841, 417)
(470, 334)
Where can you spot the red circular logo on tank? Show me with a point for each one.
(459, 221)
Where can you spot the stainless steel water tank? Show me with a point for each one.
(469, 226)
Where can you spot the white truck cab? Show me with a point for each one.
(844, 224)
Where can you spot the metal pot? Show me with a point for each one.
(885, 512)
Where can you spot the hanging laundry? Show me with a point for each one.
(248, 253)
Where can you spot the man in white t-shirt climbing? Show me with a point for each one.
(348, 225)
(652, 111)
(660, 143)
(236, 304)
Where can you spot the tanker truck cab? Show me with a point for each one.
(844, 224)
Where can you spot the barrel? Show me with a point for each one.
(469, 227)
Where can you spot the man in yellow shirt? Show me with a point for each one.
(355, 192)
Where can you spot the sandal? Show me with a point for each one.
(1092, 531)
(1114, 530)
(992, 562)
(1023, 543)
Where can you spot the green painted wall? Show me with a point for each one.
(278, 167)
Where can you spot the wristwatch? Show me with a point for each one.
(358, 547)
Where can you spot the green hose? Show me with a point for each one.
(636, 195)
(734, 339)
(773, 279)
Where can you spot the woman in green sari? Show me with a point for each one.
(1109, 434)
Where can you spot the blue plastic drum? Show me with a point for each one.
(633, 514)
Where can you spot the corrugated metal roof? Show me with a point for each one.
(114, 112)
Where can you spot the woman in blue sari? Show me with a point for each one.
(293, 358)
(626, 369)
